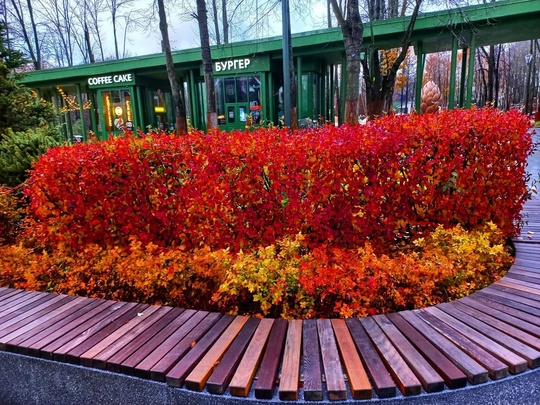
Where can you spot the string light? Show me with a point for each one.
(71, 102)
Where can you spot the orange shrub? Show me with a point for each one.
(286, 279)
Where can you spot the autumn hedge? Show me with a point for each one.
(386, 182)
(404, 212)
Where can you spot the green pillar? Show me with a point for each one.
(470, 75)
(193, 100)
(463, 76)
(81, 112)
(331, 92)
(93, 111)
(452, 84)
(141, 121)
(299, 89)
(270, 108)
(343, 90)
(419, 75)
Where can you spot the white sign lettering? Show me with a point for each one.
(123, 78)
(233, 64)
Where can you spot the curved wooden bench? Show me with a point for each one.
(487, 336)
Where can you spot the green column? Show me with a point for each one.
(419, 75)
(270, 109)
(93, 110)
(470, 75)
(81, 111)
(452, 84)
(193, 102)
(343, 90)
(141, 122)
(331, 89)
(299, 89)
(463, 76)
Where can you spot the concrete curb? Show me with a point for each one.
(29, 380)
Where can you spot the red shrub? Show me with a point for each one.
(386, 182)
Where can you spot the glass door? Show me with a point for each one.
(116, 112)
(239, 100)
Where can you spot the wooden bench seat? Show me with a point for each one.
(487, 336)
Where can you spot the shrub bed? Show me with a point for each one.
(404, 212)
(286, 279)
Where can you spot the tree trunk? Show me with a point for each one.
(115, 36)
(88, 44)
(374, 108)
(352, 29)
(211, 108)
(37, 60)
(178, 97)
(379, 88)
(225, 21)
(216, 22)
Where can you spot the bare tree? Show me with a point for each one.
(20, 12)
(353, 31)
(380, 82)
(115, 8)
(180, 108)
(211, 105)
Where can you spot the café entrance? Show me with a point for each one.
(238, 101)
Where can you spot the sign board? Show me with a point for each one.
(241, 65)
(111, 80)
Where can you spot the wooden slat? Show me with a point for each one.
(12, 294)
(245, 373)
(67, 321)
(356, 374)
(526, 276)
(333, 372)
(382, 381)
(100, 332)
(505, 309)
(514, 327)
(150, 330)
(19, 304)
(496, 368)
(34, 321)
(313, 387)
(223, 372)
(430, 379)
(517, 295)
(452, 375)
(98, 354)
(290, 368)
(190, 334)
(513, 346)
(76, 337)
(516, 364)
(18, 300)
(148, 350)
(532, 290)
(264, 388)
(197, 378)
(181, 370)
(407, 382)
(36, 309)
(67, 330)
(507, 300)
(44, 323)
(475, 373)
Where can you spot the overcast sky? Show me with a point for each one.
(185, 35)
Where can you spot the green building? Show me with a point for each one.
(107, 97)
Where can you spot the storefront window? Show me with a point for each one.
(230, 90)
(238, 98)
(220, 101)
(117, 110)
